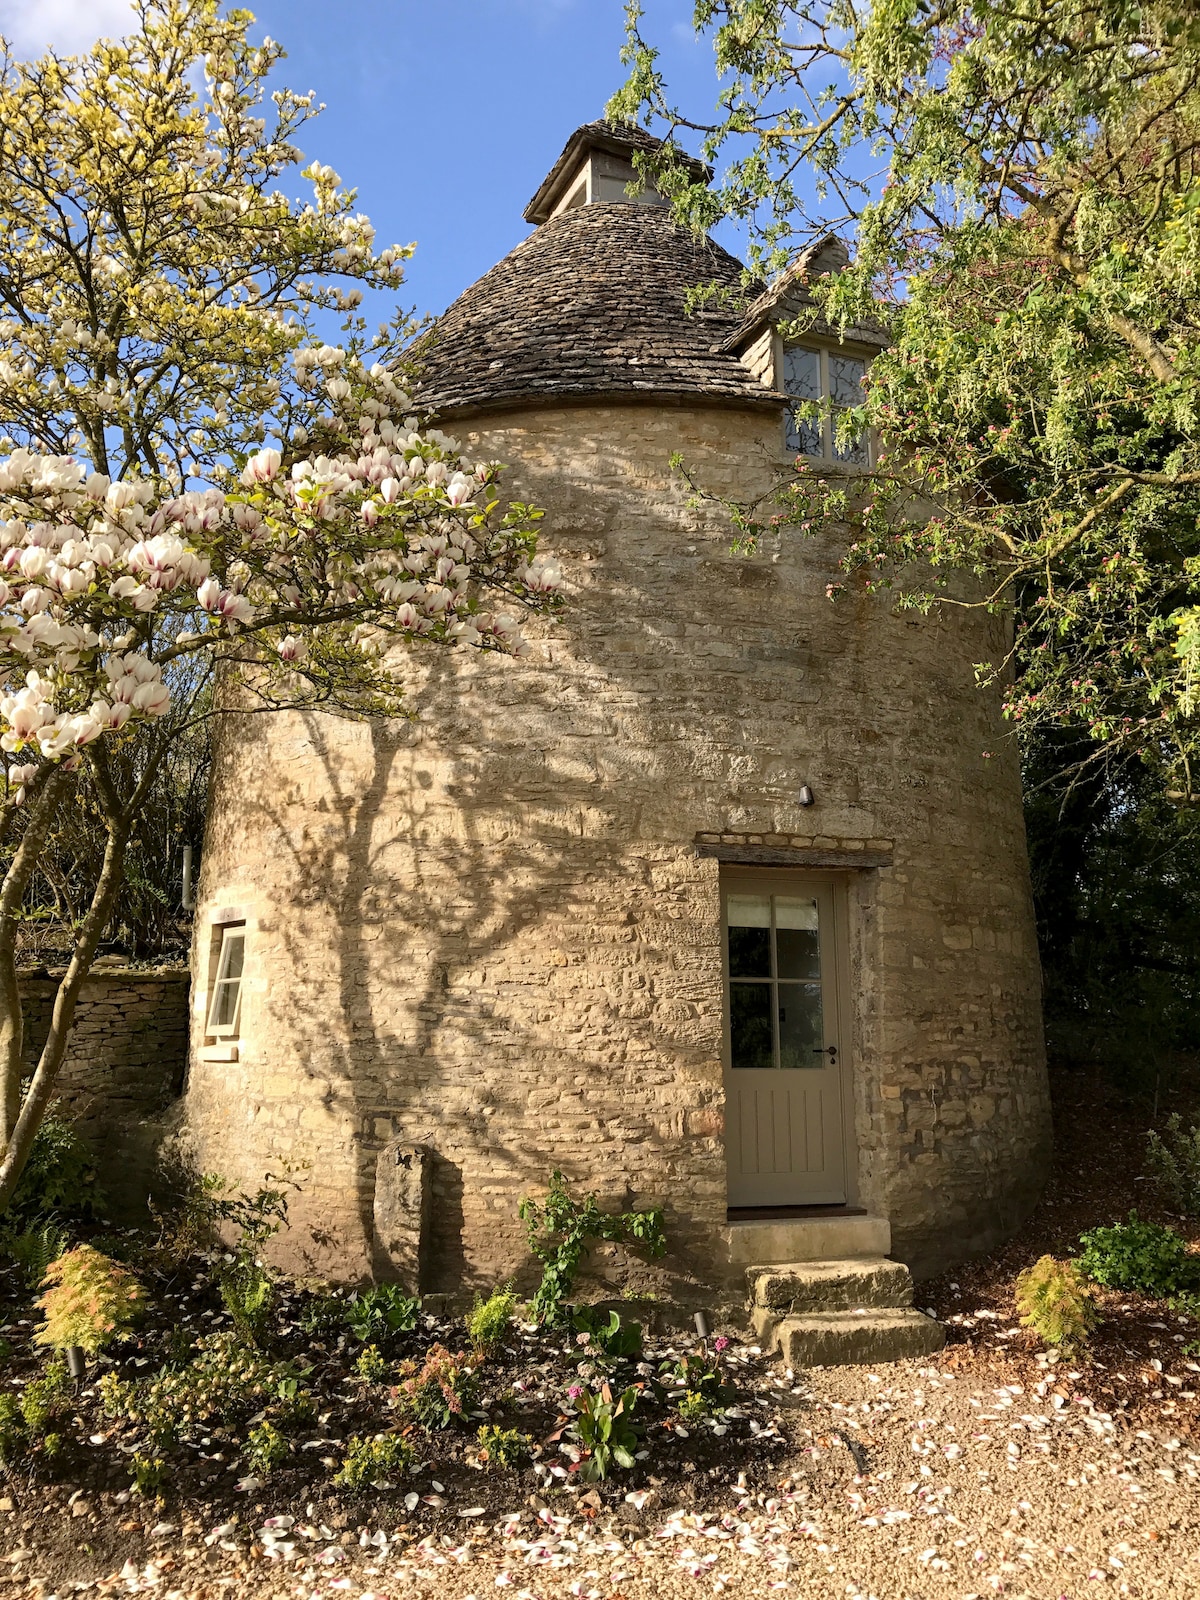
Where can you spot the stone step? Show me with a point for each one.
(798, 1287)
(850, 1338)
(827, 1238)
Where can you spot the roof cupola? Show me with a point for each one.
(596, 168)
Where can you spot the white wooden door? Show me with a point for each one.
(784, 1059)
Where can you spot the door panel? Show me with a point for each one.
(784, 1090)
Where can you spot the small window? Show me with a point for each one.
(225, 1008)
(775, 1003)
(835, 382)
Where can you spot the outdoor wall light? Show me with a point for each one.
(805, 796)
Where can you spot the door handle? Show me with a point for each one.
(829, 1050)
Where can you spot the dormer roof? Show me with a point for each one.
(788, 298)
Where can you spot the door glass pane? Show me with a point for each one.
(749, 919)
(750, 1039)
(801, 1031)
(797, 945)
(802, 378)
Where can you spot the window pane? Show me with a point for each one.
(749, 918)
(224, 1009)
(801, 1031)
(846, 374)
(797, 941)
(802, 378)
(750, 1025)
(802, 373)
(233, 950)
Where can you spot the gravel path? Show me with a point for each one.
(903, 1481)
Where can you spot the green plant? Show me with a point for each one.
(504, 1447)
(380, 1312)
(25, 1418)
(13, 1437)
(371, 1365)
(34, 1248)
(605, 1337)
(90, 1301)
(323, 1316)
(1144, 1257)
(1053, 1299)
(561, 1228)
(1174, 1163)
(704, 1389)
(442, 1390)
(59, 1179)
(226, 1382)
(372, 1463)
(248, 1292)
(265, 1449)
(604, 1430)
(491, 1319)
(148, 1473)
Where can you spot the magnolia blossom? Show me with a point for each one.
(104, 584)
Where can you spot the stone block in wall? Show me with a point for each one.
(403, 1198)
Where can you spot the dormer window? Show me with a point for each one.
(834, 380)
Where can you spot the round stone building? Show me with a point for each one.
(719, 902)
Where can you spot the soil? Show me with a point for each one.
(992, 1470)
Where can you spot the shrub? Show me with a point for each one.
(59, 1179)
(323, 1316)
(1144, 1257)
(35, 1248)
(504, 1447)
(380, 1312)
(226, 1382)
(265, 1449)
(372, 1463)
(1056, 1303)
(440, 1391)
(371, 1365)
(490, 1320)
(605, 1432)
(148, 1473)
(606, 1337)
(90, 1302)
(1174, 1163)
(560, 1230)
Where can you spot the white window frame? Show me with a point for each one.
(827, 456)
(231, 933)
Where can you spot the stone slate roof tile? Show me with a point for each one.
(591, 304)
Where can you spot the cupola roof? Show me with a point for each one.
(593, 304)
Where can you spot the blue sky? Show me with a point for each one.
(445, 114)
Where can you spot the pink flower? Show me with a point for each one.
(575, 1391)
(720, 1344)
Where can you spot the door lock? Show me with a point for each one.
(830, 1050)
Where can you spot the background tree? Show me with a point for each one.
(1020, 188)
(1021, 184)
(164, 304)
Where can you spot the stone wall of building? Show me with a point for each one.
(495, 932)
(125, 1065)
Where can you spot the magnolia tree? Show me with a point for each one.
(163, 302)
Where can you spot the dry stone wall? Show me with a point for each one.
(494, 933)
(125, 1064)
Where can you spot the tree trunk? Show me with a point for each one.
(12, 893)
(41, 1090)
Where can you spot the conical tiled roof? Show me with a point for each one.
(592, 304)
